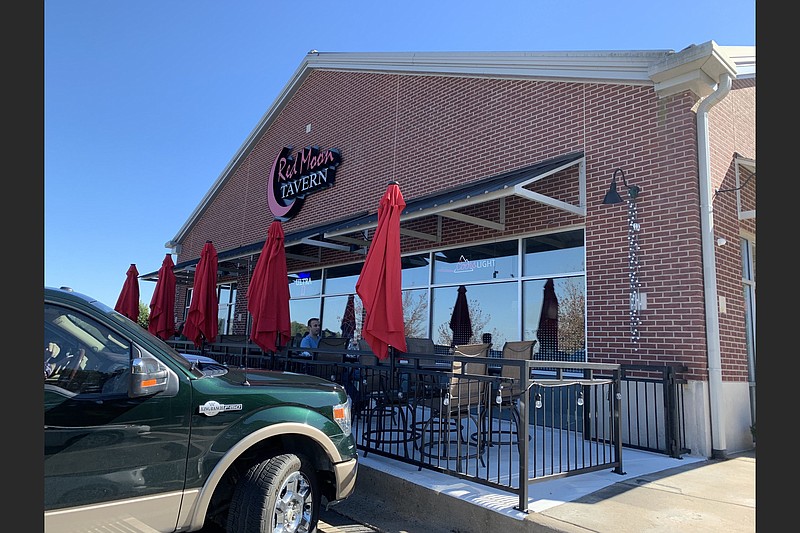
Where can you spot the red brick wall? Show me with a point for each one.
(434, 132)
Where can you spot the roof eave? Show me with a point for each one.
(696, 68)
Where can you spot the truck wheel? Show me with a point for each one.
(279, 495)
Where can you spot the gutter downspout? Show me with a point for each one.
(718, 444)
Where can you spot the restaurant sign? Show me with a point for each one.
(293, 176)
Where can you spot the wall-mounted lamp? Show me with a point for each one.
(612, 196)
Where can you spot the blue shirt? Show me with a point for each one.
(310, 342)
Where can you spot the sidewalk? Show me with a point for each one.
(696, 494)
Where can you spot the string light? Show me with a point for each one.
(613, 197)
(633, 272)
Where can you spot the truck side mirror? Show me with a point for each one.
(148, 377)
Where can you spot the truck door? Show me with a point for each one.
(101, 445)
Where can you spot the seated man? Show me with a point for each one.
(312, 339)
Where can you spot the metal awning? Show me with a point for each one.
(349, 234)
(228, 257)
(445, 203)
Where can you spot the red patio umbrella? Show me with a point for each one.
(460, 322)
(268, 294)
(162, 305)
(547, 333)
(379, 284)
(348, 324)
(128, 301)
(201, 321)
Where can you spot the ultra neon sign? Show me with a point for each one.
(294, 176)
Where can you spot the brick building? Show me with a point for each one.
(504, 160)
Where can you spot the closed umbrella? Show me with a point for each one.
(268, 294)
(201, 321)
(348, 324)
(162, 305)
(460, 322)
(379, 284)
(128, 301)
(547, 333)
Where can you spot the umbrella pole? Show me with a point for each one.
(392, 371)
(202, 346)
(277, 348)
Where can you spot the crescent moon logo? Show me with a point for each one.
(279, 210)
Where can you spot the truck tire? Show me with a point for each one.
(278, 495)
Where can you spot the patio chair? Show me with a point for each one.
(414, 382)
(507, 396)
(476, 350)
(364, 347)
(455, 415)
(331, 371)
(332, 343)
(382, 409)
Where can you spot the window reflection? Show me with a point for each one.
(226, 298)
(307, 283)
(415, 312)
(554, 253)
(554, 315)
(493, 308)
(476, 263)
(342, 279)
(333, 308)
(415, 270)
(300, 311)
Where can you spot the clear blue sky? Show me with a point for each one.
(146, 101)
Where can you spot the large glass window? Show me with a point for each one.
(501, 302)
(226, 298)
(189, 293)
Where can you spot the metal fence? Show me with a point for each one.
(458, 414)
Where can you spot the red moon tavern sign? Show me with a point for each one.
(293, 176)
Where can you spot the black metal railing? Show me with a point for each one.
(653, 415)
(452, 414)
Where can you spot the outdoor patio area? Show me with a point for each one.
(462, 416)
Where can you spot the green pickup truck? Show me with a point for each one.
(138, 438)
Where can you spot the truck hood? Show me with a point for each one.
(257, 377)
